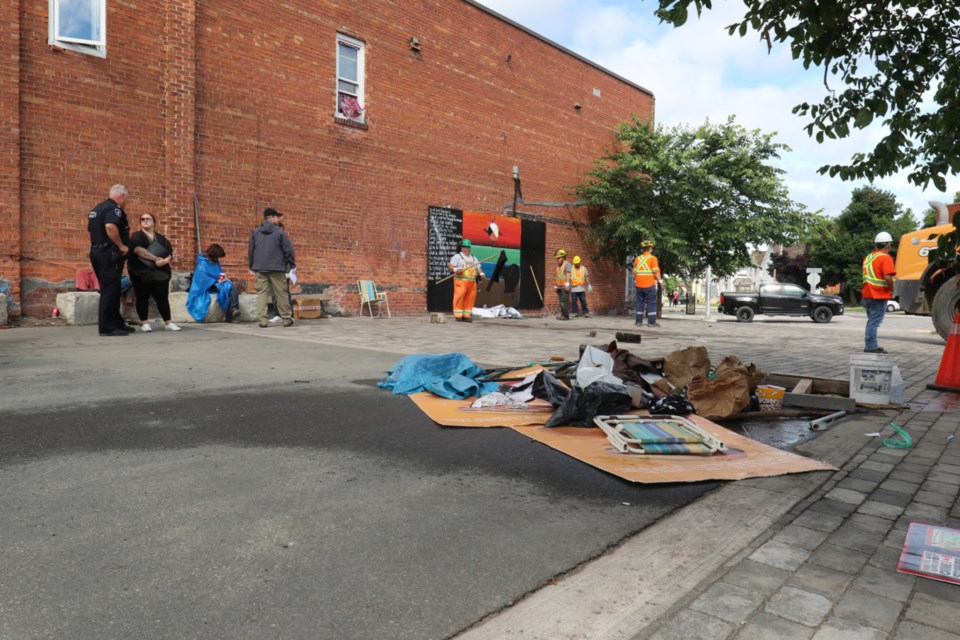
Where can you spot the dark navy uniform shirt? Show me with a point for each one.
(107, 212)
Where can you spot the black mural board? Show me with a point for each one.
(533, 241)
(444, 231)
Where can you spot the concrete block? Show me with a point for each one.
(180, 315)
(766, 626)
(438, 318)
(79, 308)
(692, 624)
(3, 309)
(869, 610)
(797, 605)
(248, 307)
(780, 555)
(728, 602)
(840, 629)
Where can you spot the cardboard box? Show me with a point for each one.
(307, 307)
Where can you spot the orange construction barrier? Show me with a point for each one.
(948, 377)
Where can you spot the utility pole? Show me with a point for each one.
(709, 277)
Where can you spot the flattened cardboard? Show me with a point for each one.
(745, 458)
(457, 413)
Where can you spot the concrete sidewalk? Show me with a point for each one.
(800, 556)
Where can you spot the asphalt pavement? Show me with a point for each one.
(229, 481)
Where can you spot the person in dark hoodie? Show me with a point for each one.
(270, 256)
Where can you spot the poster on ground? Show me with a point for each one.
(931, 552)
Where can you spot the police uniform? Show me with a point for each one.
(107, 261)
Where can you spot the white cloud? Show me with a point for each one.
(699, 72)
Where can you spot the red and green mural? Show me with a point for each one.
(510, 250)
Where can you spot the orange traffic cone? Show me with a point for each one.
(948, 377)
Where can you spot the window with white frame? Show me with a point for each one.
(79, 25)
(350, 78)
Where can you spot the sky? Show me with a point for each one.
(698, 72)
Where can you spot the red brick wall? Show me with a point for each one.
(249, 124)
(10, 154)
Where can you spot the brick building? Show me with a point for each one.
(213, 110)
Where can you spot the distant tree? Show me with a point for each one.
(790, 266)
(844, 244)
(671, 283)
(894, 60)
(700, 194)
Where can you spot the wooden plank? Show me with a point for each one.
(811, 401)
(820, 385)
(804, 386)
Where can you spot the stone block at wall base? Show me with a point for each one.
(179, 313)
(79, 308)
(248, 307)
(3, 309)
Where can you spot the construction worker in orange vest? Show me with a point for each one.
(562, 284)
(466, 274)
(579, 283)
(878, 272)
(646, 277)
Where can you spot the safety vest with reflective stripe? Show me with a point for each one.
(641, 268)
(577, 277)
(470, 266)
(869, 275)
(562, 273)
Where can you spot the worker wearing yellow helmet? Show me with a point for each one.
(646, 277)
(562, 283)
(579, 283)
(466, 273)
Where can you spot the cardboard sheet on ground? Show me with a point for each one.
(457, 413)
(744, 458)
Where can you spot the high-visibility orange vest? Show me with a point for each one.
(577, 277)
(869, 275)
(562, 273)
(643, 270)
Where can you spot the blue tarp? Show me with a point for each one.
(204, 277)
(451, 375)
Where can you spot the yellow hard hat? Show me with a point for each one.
(560, 254)
(646, 243)
(576, 259)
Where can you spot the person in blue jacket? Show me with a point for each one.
(208, 278)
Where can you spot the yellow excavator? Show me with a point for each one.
(922, 288)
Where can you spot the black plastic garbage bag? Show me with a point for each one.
(547, 387)
(583, 405)
(675, 404)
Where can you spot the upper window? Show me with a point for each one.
(80, 25)
(350, 98)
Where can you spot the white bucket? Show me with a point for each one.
(870, 377)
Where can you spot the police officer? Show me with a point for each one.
(109, 239)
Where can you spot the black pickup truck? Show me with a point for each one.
(780, 300)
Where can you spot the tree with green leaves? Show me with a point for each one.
(702, 195)
(896, 60)
(840, 250)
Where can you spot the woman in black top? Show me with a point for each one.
(150, 271)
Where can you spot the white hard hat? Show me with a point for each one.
(883, 236)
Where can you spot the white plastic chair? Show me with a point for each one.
(370, 296)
